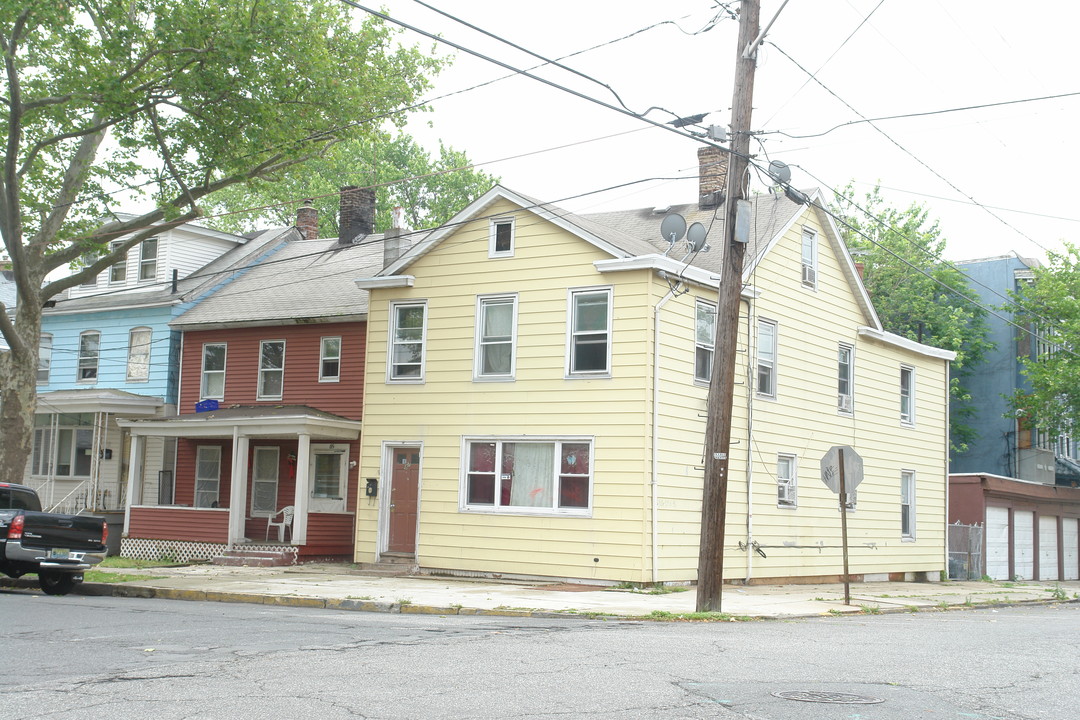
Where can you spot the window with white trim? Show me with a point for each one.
(501, 237)
(845, 378)
(907, 504)
(786, 480)
(89, 350)
(271, 369)
(329, 476)
(907, 395)
(138, 363)
(118, 271)
(213, 371)
(148, 252)
(809, 258)
(408, 331)
(530, 476)
(207, 475)
(330, 359)
(704, 339)
(496, 330)
(766, 358)
(62, 445)
(44, 358)
(265, 464)
(589, 332)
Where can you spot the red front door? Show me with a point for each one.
(404, 489)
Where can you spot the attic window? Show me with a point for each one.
(501, 238)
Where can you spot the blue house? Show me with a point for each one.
(1005, 447)
(107, 352)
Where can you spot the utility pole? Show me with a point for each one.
(725, 361)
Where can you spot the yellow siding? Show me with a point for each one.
(615, 543)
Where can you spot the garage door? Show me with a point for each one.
(1024, 544)
(997, 543)
(1048, 547)
(1069, 539)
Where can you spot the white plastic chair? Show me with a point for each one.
(286, 514)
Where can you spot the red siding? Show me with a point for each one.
(301, 378)
(328, 534)
(172, 523)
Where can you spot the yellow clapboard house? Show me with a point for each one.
(535, 397)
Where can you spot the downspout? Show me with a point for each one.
(749, 443)
(948, 446)
(672, 292)
(179, 380)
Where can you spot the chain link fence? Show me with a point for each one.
(966, 552)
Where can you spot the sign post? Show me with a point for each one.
(840, 468)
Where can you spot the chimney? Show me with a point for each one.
(394, 245)
(860, 268)
(307, 220)
(357, 214)
(712, 176)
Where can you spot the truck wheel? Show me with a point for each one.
(56, 583)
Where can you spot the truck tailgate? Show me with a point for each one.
(74, 532)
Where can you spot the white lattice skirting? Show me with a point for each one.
(185, 551)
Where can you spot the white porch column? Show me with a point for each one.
(303, 490)
(135, 478)
(238, 489)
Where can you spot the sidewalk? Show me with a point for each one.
(340, 587)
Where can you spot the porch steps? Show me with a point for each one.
(256, 558)
(391, 565)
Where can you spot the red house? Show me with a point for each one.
(266, 444)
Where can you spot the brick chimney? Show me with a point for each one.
(712, 176)
(394, 245)
(356, 216)
(307, 220)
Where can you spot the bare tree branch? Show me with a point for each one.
(98, 126)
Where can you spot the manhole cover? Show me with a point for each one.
(828, 697)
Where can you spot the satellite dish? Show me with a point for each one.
(780, 172)
(673, 227)
(696, 236)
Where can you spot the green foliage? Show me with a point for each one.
(916, 294)
(1050, 308)
(429, 190)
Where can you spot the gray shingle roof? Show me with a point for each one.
(304, 280)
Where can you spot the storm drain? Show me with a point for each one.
(828, 697)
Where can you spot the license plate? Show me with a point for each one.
(59, 554)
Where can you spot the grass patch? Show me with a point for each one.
(912, 609)
(697, 617)
(100, 576)
(870, 609)
(650, 589)
(117, 561)
(404, 601)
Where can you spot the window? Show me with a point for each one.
(271, 369)
(785, 480)
(533, 476)
(44, 358)
(590, 332)
(148, 259)
(63, 445)
(907, 504)
(766, 358)
(330, 359)
(328, 472)
(501, 240)
(496, 322)
(845, 370)
(89, 282)
(89, 347)
(907, 395)
(809, 258)
(118, 272)
(138, 365)
(213, 371)
(264, 481)
(704, 340)
(207, 475)
(408, 328)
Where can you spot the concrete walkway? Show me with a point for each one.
(338, 586)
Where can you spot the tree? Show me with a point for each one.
(178, 100)
(1049, 307)
(916, 294)
(429, 190)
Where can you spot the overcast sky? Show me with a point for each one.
(873, 58)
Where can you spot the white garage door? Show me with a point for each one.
(1024, 544)
(997, 543)
(1048, 547)
(1070, 546)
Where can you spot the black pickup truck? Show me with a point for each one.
(56, 547)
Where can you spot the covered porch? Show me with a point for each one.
(237, 469)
